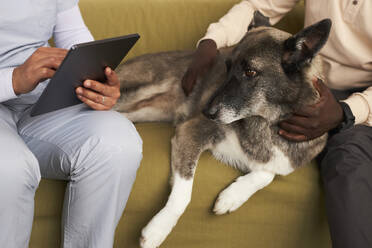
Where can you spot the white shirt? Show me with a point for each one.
(347, 54)
(27, 30)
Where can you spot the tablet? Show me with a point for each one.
(83, 61)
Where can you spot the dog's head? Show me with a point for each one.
(267, 73)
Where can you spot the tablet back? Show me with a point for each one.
(83, 61)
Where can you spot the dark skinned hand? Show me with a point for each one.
(41, 65)
(99, 95)
(203, 60)
(44, 62)
(315, 120)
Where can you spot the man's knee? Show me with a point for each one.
(348, 153)
(359, 134)
(129, 149)
(115, 129)
(115, 140)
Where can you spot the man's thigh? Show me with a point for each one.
(347, 175)
(8, 126)
(348, 152)
(18, 164)
(11, 144)
(62, 138)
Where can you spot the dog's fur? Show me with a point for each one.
(233, 111)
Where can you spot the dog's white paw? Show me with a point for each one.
(157, 231)
(229, 200)
(152, 237)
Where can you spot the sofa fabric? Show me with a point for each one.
(289, 213)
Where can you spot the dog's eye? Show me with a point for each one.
(250, 73)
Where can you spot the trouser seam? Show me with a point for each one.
(66, 221)
(67, 217)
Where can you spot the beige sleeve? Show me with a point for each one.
(361, 106)
(231, 28)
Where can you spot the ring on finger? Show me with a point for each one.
(103, 100)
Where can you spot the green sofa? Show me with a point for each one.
(289, 213)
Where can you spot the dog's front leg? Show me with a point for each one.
(163, 222)
(241, 190)
(187, 145)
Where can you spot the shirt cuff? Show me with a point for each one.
(6, 84)
(215, 34)
(359, 106)
(232, 27)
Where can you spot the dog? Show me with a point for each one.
(233, 111)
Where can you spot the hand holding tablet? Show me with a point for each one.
(83, 61)
(98, 95)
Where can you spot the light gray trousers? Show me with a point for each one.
(98, 152)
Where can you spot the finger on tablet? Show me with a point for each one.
(112, 77)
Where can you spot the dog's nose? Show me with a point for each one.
(210, 113)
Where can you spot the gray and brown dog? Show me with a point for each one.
(233, 111)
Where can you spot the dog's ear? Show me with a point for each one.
(259, 20)
(303, 46)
